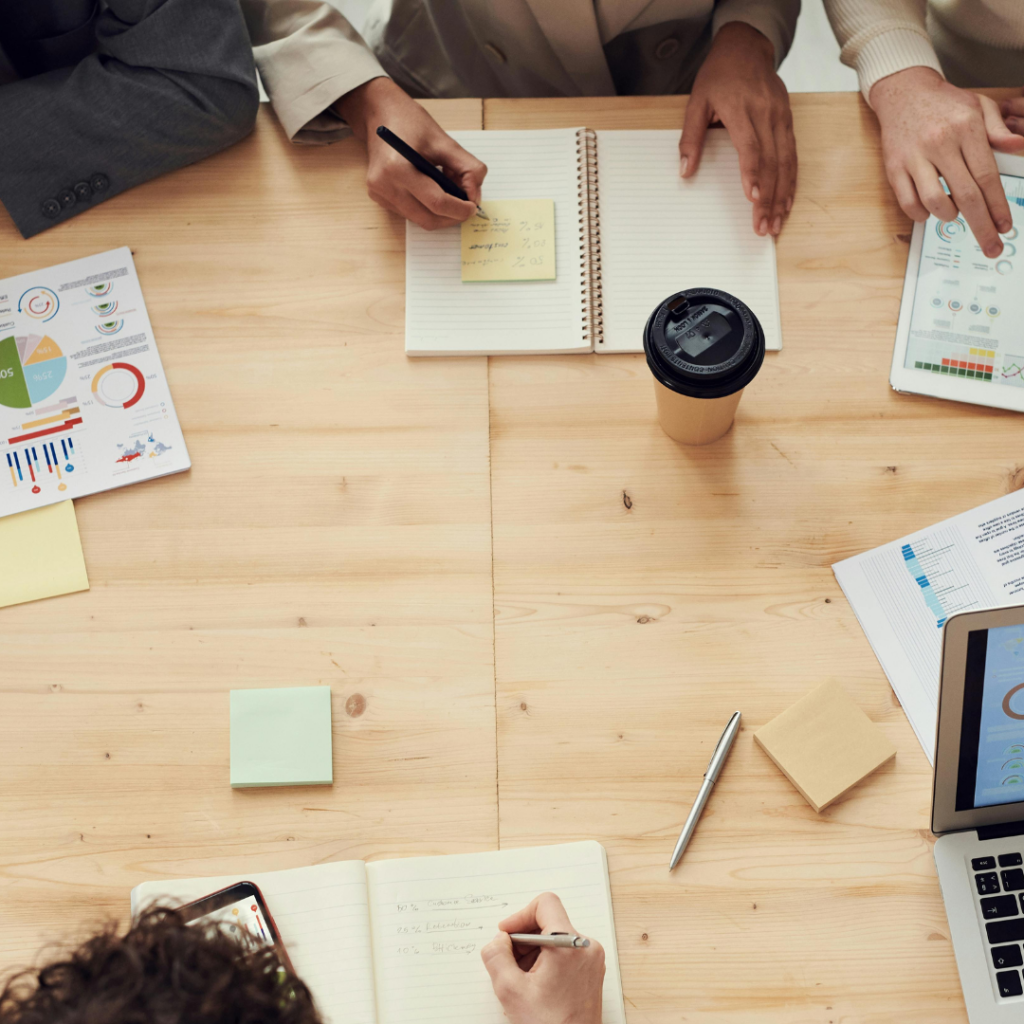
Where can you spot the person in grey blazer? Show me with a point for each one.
(97, 96)
(324, 80)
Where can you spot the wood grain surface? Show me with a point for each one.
(644, 591)
(338, 525)
(334, 529)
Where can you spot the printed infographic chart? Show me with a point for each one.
(968, 316)
(84, 403)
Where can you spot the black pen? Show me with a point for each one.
(424, 166)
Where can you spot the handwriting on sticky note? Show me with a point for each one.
(516, 244)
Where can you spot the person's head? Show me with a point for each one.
(161, 971)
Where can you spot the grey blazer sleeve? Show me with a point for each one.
(170, 82)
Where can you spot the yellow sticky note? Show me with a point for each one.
(825, 744)
(41, 554)
(516, 244)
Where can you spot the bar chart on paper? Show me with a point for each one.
(944, 588)
(903, 593)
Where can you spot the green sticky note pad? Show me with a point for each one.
(281, 737)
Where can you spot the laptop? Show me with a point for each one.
(978, 807)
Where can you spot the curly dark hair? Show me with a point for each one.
(161, 971)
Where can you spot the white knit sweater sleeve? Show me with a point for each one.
(880, 37)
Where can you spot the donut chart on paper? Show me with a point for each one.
(118, 385)
(31, 369)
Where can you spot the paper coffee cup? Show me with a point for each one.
(703, 347)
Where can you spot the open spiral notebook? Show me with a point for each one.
(398, 941)
(628, 233)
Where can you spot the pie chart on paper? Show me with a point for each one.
(31, 369)
(118, 385)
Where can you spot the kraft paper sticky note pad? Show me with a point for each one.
(825, 744)
(517, 243)
(281, 737)
(40, 554)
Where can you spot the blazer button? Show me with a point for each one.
(99, 182)
(66, 198)
(51, 209)
(83, 190)
(496, 53)
(666, 48)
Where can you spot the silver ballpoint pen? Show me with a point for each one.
(560, 940)
(710, 778)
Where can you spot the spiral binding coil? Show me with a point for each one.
(590, 236)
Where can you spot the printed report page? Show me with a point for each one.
(903, 592)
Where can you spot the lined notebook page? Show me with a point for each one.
(444, 316)
(324, 920)
(431, 916)
(661, 234)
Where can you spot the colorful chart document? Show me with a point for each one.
(84, 403)
(961, 327)
(902, 594)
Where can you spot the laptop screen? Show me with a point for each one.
(991, 767)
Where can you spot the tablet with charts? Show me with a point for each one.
(961, 325)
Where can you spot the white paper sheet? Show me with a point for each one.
(903, 592)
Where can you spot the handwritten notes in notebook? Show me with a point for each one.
(446, 317)
(516, 243)
(432, 915)
(41, 554)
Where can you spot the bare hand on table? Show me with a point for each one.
(391, 180)
(545, 986)
(931, 128)
(1013, 114)
(738, 86)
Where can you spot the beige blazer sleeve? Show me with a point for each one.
(880, 37)
(308, 56)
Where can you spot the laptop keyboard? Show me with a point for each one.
(999, 882)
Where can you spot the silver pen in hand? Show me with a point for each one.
(559, 940)
(710, 778)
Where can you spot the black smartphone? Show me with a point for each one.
(242, 912)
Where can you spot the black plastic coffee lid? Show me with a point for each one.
(704, 343)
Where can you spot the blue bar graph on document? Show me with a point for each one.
(927, 590)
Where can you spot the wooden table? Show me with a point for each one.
(535, 611)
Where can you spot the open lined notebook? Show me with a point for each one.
(398, 941)
(628, 233)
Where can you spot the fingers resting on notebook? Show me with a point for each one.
(1012, 111)
(391, 180)
(934, 132)
(545, 986)
(737, 85)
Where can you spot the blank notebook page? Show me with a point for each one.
(444, 316)
(323, 916)
(661, 234)
(432, 915)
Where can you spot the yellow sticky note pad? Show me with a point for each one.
(516, 244)
(825, 744)
(41, 554)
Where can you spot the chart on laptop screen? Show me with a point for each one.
(968, 313)
(1000, 775)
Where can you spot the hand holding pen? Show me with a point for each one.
(391, 180)
(549, 983)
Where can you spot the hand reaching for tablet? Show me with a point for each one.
(738, 86)
(931, 128)
(391, 180)
(545, 986)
